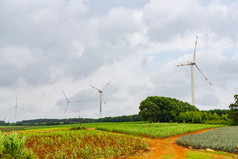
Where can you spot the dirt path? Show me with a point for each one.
(166, 148)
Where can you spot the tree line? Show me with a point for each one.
(124, 118)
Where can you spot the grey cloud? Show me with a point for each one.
(172, 82)
(8, 75)
(168, 19)
(117, 24)
(208, 100)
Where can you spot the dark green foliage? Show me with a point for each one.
(218, 111)
(163, 109)
(123, 118)
(78, 128)
(203, 117)
(234, 110)
(221, 139)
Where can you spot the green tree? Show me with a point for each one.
(149, 111)
(234, 110)
(163, 109)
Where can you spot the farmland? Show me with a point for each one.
(222, 139)
(65, 141)
(82, 144)
(153, 130)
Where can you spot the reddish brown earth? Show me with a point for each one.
(166, 148)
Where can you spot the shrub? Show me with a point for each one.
(78, 128)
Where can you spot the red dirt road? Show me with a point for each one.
(166, 148)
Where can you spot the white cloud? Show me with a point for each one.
(47, 47)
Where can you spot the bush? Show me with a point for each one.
(78, 128)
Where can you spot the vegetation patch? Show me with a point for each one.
(208, 155)
(82, 144)
(12, 128)
(154, 130)
(11, 146)
(221, 139)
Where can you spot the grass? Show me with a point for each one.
(153, 130)
(12, 128)
(208, 155)
(221, 139)
(37, 128)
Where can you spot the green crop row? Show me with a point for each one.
(82, 144)
(11, 146)
(153, 130)
(222, 139)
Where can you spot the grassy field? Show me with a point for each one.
(193, 154)
(222, 139)
(37, 128)
(154, 130)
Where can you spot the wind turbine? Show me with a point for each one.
(68, 101)
(101, 96)
(192, 64)
(16, 107)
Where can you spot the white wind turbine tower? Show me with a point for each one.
(192, 64)
(101, 96)
(16, 107)
(68, 101)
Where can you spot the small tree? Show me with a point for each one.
(234, 110)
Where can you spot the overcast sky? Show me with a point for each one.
(50, 46)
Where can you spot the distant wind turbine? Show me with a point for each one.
(16, 107)
(192, 64)
(101, 96)
(68, 101)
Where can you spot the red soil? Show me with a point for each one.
(167, 148)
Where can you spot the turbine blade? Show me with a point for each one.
(65, 97)
(194, 54)
(182, 65)
(106, 85)
(203, 75)
(76, 101)
(66, 107)
(95, 88)
(20, 108)
(13, 108)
